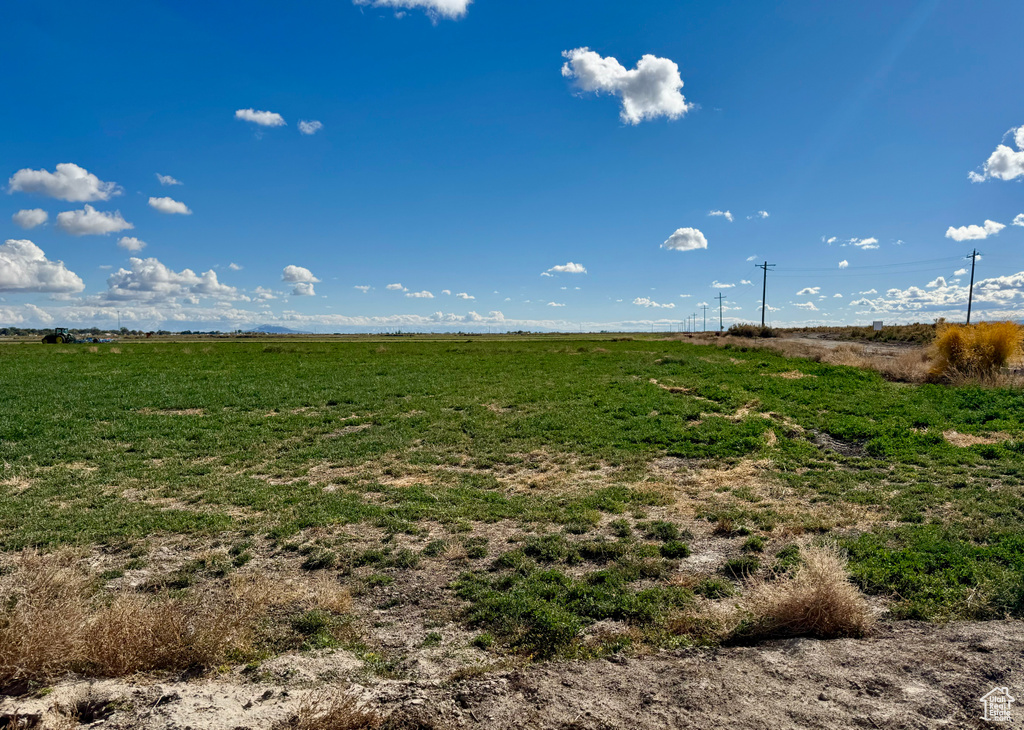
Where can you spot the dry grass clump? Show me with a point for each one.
(331, 711)
(974, 352)
(817, 599)
(54, 620)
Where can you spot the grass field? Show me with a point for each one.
(549, 496)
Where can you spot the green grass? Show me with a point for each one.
(199, 438)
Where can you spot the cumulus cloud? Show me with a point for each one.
(25, 268)
(946, 298)
(844, 264)
(1005, 163)
(167, 180)
(446, 292)
(809, 306)
(936, 282)
(829, 240)
(723, 213)
(746, 282)
(974, 233)
(70, 182)
(420, 295)
(837, 296)
(363, 288)
(263, 294)
(91, 222)
(169, 206)
(311, 127)
(651, 304)
(395, 287)
(451, 9)
(263, 119)
(865, 244)
(302, 278)
(464, 295)
(555, 304)
(1019, 220)
(959, 272)
(751, 258)
(808, 291)
(762, 214)
(149, 280)
(716, 284)
(30, 218)
(131, 243)
(569, 268)
(649, 91)
(235, 267)
(686, 239)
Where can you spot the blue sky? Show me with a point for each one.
(493, 149)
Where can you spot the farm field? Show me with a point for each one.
(462, 514)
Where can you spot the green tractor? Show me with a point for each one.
(59, 336)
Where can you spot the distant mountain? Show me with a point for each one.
(273, 329)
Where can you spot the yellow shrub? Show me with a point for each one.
(975, 351)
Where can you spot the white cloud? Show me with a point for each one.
(844, 264)
(865, 244)
(830, 240)
(131, 243)
(938, 281)
(464, 295)
(555, 304)
(837, 296)
(364, 289)
(435, 8)
(446, 292)
(650, 303)
(686, 239)
(91, 222)
(1019, 220)
(149, 280)
(70, 182)
(751, 258)
(762, 214)
(292, 273)
(235, 267)
(723, 213)
(169, 206)
(974, 233)
(746, 282)
(30, 218)
(809, 306)
(870, 291)
(959, 272)
(263, 294)
(25, 268)
(303, 289)
(311, 127)
(420, 295)
(1005, 163)
(395, 287)
(264, 119)
(809, 290)
(942, 298)
(167, 180)
(649, 91)
(569, 268)
(716, 284)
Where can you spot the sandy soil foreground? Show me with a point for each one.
(908, 675)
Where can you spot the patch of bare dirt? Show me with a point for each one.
(792, 375)
(173, 411)
(964, 440)
(907, 675)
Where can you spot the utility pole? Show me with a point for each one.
(705, 317)
(970, 296)
(721, 324)
(764, 288)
